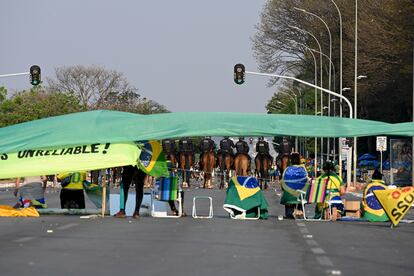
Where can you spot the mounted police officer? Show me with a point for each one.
(186, 152)
(185, 145)
(206, 145)
(168, 145)
(262, 149)
(226, 146)
(242, 147)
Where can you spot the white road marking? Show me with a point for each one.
(323, 260)
(24, 239)
(67, 226)
(312, 243)
(304, 230)
(301, 224)
(308, 236)
(318, 250)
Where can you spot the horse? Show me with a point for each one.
(186, 161)
(225, 163)
(209, 163)
(242, 164)
(282, 162)
(172, 158)
(262, 169)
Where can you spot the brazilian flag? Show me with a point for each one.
(152, 158)
(244, 198)
(371, 208)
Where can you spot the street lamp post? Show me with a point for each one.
(316, 91)
(321, 80)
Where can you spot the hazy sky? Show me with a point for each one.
(179, 53)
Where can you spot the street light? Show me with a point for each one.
(316, 83)
(321, 81)
(330, 41)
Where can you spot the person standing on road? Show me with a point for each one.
(130, 174)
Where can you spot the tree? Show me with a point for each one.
(99, 88)
(36, 104)
(385, 37)
(3, 93)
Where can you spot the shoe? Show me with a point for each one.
(135, 215)
(120, 214)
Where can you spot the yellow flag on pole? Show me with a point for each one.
(396, 202)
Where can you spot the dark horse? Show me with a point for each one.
(282, 162)
(225, 163)
(186, 161)
(263, 163)
(242, 164)
(208, 162)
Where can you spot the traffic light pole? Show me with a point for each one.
(15, 74)
(308, 84)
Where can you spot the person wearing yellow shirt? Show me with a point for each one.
(71, 195)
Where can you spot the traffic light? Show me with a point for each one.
(239, 72)
(35, 75)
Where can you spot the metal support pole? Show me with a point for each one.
(355, 89)
(14, 74)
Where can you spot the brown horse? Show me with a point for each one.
(225, 162)
(186, 161)
(282, 162)
(262, 169)
(242, 164)
(209, 163)
(173, 160)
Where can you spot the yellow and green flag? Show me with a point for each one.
(83, 157)
(152, 158)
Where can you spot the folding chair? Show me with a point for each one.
(210, 213)
(316, 194)
(166, 189)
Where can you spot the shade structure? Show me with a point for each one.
(103, 126)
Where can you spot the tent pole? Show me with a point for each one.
(103, 183)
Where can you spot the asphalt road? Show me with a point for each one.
(69, 245)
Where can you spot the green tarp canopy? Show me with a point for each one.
(104, 126)
(104, 139)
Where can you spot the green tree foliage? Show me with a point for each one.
(99, 88)
(36, 104)
(385, 49)
(3, 93)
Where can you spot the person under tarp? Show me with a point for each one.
(294, 178)
(371, 209)
(71, 195)
(31, 192)
(244, 199)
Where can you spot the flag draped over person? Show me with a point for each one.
(244, 199)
